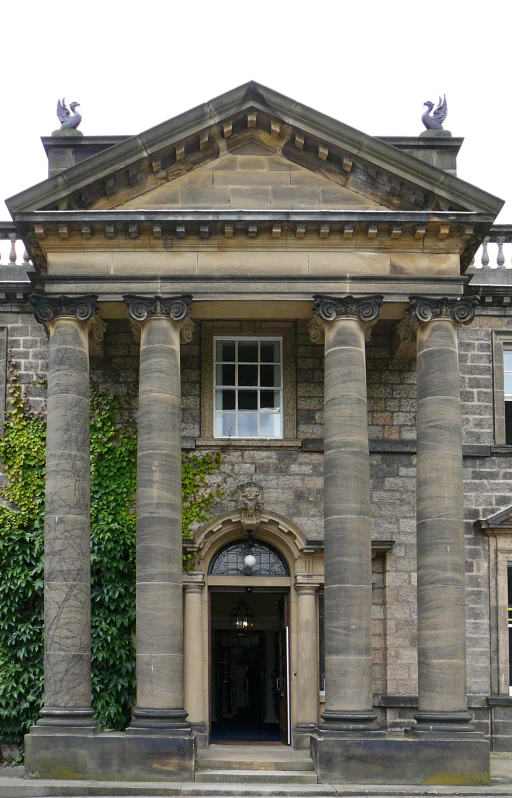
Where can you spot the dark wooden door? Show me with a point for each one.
(283, 650)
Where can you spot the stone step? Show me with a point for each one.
(256, 776)
(218, 762)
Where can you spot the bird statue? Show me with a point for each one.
(434, 121)
(68, 118)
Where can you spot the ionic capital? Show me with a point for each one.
(176, 308)
(364, 308)
(47, 308)
(329, 308)
(424, 309)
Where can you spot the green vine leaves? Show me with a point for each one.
(113, 541)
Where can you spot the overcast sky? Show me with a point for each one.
(369, 64)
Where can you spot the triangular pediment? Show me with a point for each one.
(245, 120)
(251, 176)
(497, 522)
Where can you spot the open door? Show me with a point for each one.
(283, 693)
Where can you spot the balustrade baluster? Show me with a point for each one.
(12, 253)
(485, 255)
(26, 258)
(501, 257)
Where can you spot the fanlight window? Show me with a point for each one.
(229, 561)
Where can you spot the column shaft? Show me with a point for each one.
(307, 655)
(159, 589)
(67, 606)
(193, 654)
(348, 585)
(440, 518)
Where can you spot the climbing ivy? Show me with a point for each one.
(113, 480)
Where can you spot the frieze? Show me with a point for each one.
(424, 309)
(48, 308)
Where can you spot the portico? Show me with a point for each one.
(334, 239)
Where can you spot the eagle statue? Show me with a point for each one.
(434, 120)
(68, 118)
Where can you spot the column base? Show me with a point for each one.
(396, 759)
(110, 756)
(340, 723)
(199, 732)
(448, 725)
(302, 733)
(164, 722)
(66, 720)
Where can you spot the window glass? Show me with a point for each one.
(507, 379)
(248, 388)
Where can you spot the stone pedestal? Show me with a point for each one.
(67, 582)
(307, 665)
(159, 590)
(348, 578)
(193, 661)
(393, 759)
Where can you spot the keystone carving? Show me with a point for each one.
(250, 503)
(47, 308)
(176, 308)
(424, 309)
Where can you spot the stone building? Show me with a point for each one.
(296, 292)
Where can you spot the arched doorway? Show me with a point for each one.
(250, 645)
(287, 567)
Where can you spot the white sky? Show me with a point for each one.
(370, 64)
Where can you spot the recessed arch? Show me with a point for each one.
(274, 529)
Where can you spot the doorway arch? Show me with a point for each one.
(303, 561)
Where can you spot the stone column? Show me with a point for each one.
(194, 657)
(159, 590)
(67, 580)
(307, 663)
(348, 570)
(442, 698)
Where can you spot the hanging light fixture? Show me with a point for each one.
(249, 559)
(242, 618)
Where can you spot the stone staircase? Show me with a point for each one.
(254, 765)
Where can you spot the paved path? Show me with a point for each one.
(14, 785)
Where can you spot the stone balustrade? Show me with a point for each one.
(493, 259)
(12, 248)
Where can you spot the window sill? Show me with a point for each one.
(248, 443)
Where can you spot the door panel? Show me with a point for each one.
(283, 698)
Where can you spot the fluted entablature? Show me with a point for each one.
(424, 309)
(48, 308)
(365, 308)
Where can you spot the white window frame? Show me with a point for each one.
(248, 339)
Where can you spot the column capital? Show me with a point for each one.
(306, 588)
(364, 308)
(328, 308)
(47, 308)
(424, 309)
(141, 308)
(176, 308)
(193, 587)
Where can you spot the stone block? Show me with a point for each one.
(399, 760)
(109, 756)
